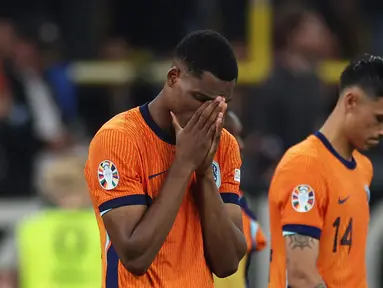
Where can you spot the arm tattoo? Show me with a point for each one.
(322, 285)
(300, 241)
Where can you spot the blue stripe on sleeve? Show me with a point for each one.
(246, 209)
(137, 199)
(229, 197)
(305, 230)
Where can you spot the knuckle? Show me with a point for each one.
(203, 117)
(198, 112)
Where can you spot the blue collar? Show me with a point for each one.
(350, 164)
(161, 133)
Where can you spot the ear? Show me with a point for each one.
(351, 99)
(172, 76)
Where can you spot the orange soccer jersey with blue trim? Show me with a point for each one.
(127, 164)
(318, 193)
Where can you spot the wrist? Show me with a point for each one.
(206, 173)
(182, 167)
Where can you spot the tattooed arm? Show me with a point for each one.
(302, 253)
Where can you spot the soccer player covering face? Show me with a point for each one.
(164, 177)
(319, 211)
(255, 238)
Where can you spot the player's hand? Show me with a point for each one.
(206, 166)
(194, 141)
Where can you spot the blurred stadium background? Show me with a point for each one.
(68, 66)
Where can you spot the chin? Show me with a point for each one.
(362, 146)
(365, 147)
(372, 144)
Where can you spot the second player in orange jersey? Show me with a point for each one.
(164, 177)
(318, 198)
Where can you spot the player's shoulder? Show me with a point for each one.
(116, 142)
(228, 147)
(227, 139)
(126, 122)
(128, 125)
(307, 152)
(364, 164)
(362, 159)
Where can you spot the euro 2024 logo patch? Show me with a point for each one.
(303, 198)
(108, 176)
(216, 174)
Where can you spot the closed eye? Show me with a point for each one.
(201, 98)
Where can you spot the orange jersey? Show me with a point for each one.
(127, 164)
(316, 192)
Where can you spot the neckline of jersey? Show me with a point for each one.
(160, 133)
(350, 164)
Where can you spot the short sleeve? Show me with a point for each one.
(229, 168)
(301, 193)
(114, 172)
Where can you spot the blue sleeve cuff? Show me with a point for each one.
(305, 230)
(229, 197)
(246, 209)
(137, 199)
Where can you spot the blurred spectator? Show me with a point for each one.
(47, 119)
(29, 116)
(62, 186)
(291, 103)
(351, 35)
(56, 72)
(62, 183)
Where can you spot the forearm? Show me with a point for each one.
(304, 279)
(224, 242)
(302, 254)
(151, 232)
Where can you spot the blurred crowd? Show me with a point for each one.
(47, 119)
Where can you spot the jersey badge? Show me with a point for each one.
(216, 174)
(367, 189)
(108, 176)
(303, 198)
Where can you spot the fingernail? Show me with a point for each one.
(218, 99)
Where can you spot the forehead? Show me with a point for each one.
(211, 86)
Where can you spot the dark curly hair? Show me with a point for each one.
(207, 50)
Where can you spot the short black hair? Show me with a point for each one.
(366, 72)
(207, 50)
